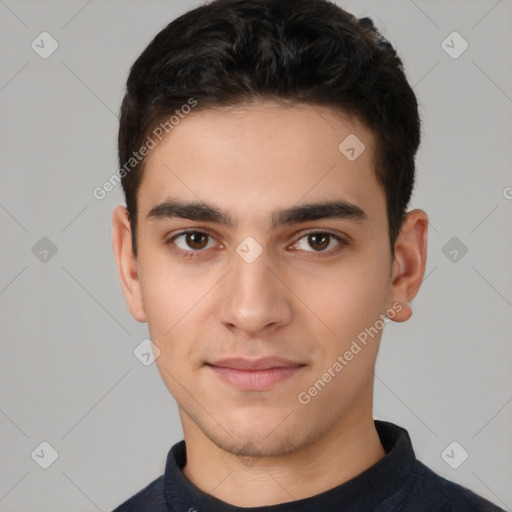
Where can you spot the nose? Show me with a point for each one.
(254, 297)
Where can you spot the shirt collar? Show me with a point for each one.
(361, 493)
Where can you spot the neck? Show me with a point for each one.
(347, 450)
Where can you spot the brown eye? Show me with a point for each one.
(192, 241)
(319, 241)
(196, 240)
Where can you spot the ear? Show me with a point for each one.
(409, 262)
(127, 262)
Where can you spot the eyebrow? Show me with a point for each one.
(205, 212)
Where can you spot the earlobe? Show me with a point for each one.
(127, 263)
(409, 262)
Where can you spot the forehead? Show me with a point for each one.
(266, 155)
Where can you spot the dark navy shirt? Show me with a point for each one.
(396, 483)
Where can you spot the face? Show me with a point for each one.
(263, 255)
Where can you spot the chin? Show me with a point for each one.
(261, 436)
(254, 447)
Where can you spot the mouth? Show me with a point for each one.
(255, 374)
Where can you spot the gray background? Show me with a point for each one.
(68, 375)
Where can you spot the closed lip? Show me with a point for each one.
(264, 363)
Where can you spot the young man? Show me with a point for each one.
(267, 156)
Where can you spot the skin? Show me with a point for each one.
(299, 299)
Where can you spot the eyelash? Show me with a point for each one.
(315, 254)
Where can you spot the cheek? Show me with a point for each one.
(166, 293)
(173, 305)
(350, 300)
(160, 301)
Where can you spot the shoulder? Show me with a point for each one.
(431, 492)
(149, 499)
